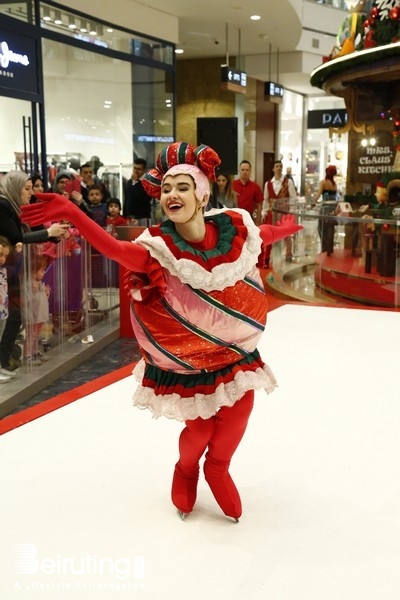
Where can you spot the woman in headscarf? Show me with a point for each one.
(16, 191)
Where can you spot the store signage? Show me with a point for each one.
(18, 63)
(232, 80)
(323, 119)
(273, 91)
(156, 139)
(375, 160)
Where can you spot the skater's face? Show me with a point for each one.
(178, 199)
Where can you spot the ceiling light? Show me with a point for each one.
(46, 14)
(255, 17)
(179, 51)
(57, 17)
(109, 30)
(71, 22)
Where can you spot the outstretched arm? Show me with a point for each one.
(273, 233)
(53, 207)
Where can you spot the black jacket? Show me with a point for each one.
(12, 228)
(137, 202)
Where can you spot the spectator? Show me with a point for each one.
(137, 202)
(36, 311)
(249, 194)
(16, 191)
(223, 195)
(5, 249)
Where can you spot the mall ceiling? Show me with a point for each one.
(206, 25)
(224, 29)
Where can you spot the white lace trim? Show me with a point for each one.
(222, 275)
(173, 406)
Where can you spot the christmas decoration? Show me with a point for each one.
(393, 116)
(351, 32)
(383, 24)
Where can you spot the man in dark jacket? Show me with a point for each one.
(137, 203)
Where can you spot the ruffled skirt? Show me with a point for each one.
(184, 397)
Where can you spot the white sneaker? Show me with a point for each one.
(7, 372)
(4, 378)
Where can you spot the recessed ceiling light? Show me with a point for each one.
(255, 17)
(179, 51)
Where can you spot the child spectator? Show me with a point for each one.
(98, 210)
(36, 310)
(5, 249)
(114, 216)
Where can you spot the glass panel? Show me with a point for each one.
(341, 4)
(153, 113)
(12, 114)
(23, 11)
(290, 136)
(91, 31)
(346, 253)
(88, 107)
(323, 150)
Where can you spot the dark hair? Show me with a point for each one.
(116, 201)
(277, 162)
(85, 166)
(140, 161)
(95, 186)
(35, 177)
(245, 162)
(5, 242)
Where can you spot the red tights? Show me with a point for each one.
(221, 434)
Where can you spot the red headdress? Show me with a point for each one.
(181, 157)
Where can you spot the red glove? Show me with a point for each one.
(53, 207)
(284, 228)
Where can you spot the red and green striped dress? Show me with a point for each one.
(198, 315)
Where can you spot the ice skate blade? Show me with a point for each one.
(182, 515)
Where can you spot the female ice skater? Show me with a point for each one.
(198, 310)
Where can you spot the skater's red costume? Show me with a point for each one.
(198, 311)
